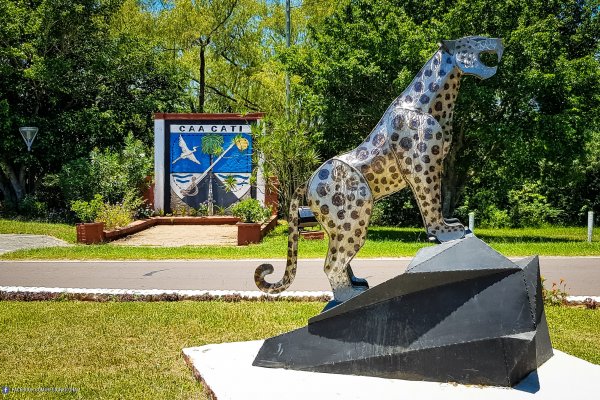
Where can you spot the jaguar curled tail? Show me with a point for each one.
(292, 256)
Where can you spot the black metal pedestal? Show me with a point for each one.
(461, 313)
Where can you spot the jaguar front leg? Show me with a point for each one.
(438, 228)
(418, 144)
(426, 189)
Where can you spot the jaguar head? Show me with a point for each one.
(467, 51)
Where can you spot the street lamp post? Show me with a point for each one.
(28, 133)
(288, 40)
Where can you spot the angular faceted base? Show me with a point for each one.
(461, 313)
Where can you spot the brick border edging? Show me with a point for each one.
(313, 235)
(140, 225)
(268, 226)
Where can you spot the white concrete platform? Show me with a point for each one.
(227, 371)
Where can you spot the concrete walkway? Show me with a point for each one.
(12, 242)
(182, 235)
(581, 274)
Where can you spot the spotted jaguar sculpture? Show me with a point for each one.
(406, 148)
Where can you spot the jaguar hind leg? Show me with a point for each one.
(343, 246)
(342, 202)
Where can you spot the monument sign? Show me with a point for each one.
(204, 159)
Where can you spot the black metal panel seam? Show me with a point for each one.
(529, 297)
(505, 361)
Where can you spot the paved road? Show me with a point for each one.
(582, 274)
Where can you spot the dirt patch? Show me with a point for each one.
(182, 235)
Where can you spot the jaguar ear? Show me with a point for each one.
(447, 46)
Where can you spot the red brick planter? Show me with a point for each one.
(248, 233)
(268, 226)
(134, 227)
(312, 235)
(89, 233)
(94, 233)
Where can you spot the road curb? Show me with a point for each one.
(23, 293)
(258, 260)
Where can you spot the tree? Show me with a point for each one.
(530, 123)
(230, 49)
(287, 151)
(64, 70)
(215, 41)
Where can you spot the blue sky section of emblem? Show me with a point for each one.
(187, 157)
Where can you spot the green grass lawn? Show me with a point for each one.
(133, 350)
(60, 231)
(382, 242)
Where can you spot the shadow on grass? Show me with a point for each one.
(525, 238)
(380, 234)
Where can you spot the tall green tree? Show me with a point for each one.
(62, 69)
(231, 50)
(216, 42)
(531, 125)
(528, 126)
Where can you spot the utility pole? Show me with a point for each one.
(288, 39)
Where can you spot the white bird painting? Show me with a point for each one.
(186, 153)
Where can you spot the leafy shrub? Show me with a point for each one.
(114, 216)
(377, 214)
(529, 208)
(87, 211)
(110, 174)
(218, 210)
(181, 210)
(31, 207)
(399, 209)
(74, 181)
(120, 214)
(202, 210)
(524, 207)
(287, 150)
(492, 217)
(250, 210)
(144, 211)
